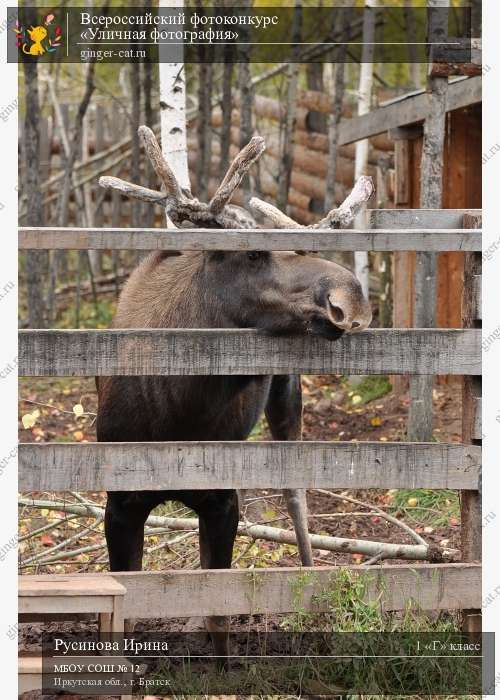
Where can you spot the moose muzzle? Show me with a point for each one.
(348, 309)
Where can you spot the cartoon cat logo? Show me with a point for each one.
(38, 35)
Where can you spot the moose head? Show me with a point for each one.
(279, 291)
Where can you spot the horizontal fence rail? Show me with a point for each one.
(407, 110)
(181, 351)
(173, 466)
(284, 590)
(247, 239)
(418, 218)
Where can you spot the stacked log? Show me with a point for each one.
(310, 154)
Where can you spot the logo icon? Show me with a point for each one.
(38, 40)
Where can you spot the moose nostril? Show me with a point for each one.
(337, 314)
(355, 324)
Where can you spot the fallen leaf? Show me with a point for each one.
(376, 421)
(356, 399)
(428, 529)
(46, 540)
(453, 521)
(78, 410)
(78, 435)
(412, 502)
(28, 420)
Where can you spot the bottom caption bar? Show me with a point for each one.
(269, 663)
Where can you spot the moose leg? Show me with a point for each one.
(284, 415)
(125, 516)
(218, 523)
(124, 519)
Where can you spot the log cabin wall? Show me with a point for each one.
(461, 189)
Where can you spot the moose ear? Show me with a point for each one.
(216, 255)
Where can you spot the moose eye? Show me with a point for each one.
(254, 255)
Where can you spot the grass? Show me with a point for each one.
(349, 608)
(427, 507)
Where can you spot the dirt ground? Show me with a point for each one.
(329, 414)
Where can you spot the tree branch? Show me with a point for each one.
(273, 534)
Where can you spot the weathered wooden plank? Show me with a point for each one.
(101, 586)
(417, 218)
(158, 466)
(182, 351)
(424, 238)
(58, 604)
(407, 110)
(283, 590)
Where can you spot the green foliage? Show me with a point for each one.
(369, 389)
(427, 506)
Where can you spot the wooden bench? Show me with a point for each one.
(64, 597)
(30, 673)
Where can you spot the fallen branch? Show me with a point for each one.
(379, 511)
(273, 534)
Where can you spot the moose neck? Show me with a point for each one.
(167, 291)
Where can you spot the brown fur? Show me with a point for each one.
(275, 292)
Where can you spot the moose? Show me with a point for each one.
(283, 292)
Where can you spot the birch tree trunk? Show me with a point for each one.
(361, 268)
(173, 107)
(431, 195)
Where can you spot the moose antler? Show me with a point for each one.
(336, 218)
(181, 207)
(218, 213)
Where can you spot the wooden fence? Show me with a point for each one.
(202, 465)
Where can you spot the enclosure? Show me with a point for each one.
(392, 420)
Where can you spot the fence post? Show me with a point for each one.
(420, 419)
(470, 501)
